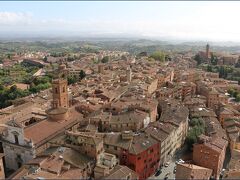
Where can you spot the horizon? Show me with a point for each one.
(174, 21)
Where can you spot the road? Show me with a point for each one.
(179, 154)
(166, 170)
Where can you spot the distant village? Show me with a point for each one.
(124, 117)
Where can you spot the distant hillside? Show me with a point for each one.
(134, 46)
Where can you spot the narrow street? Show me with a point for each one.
(169, 170)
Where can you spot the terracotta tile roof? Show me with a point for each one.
(115, 139)
(45, 130)
(191, 171)
(89, 137)
(58, 163)
(159, 130)
(121, 172)
(142, 142)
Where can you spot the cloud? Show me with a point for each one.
(198, 21)
(12, 18)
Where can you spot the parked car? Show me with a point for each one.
(158, 172)
(222, 173)
(180, 161)
(174, 170)
(166, 164)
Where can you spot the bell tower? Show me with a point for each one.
(60, 103)
(129, 74)
(59, 88)
(207, 50)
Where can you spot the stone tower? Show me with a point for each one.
(100, 68)
(207, 51)
(59, 88)
(129, 74)
(60, 103)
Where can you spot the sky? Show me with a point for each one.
(188, 20)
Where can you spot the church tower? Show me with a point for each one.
(129, 74)
(207, 51)
(60, 103)
(59, 88)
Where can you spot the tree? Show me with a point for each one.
(221, 72)
(105, 59)
(196, 122)
(13, 88)
(82, 74)
(197, 127)
(198, 59)
(142, 54)
(1, 60)
(191, 139)
(238, 98)
(168, 57)
(214, 59)
(209, 68)
(9, 56)
(72, 79)
(235, 93)
(1, 87)
(150, 59)
(231, 91)
(237, 65)
(158, 56)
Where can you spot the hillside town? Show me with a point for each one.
(114, 115)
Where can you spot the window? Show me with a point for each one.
(56, 90)
(19, 164)
(139, 158)
(16, 139)
(19, 160)
(63, 89)
(115, 148)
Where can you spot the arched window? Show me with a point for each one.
(63, 89)
(15, 134)
(19, 160)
